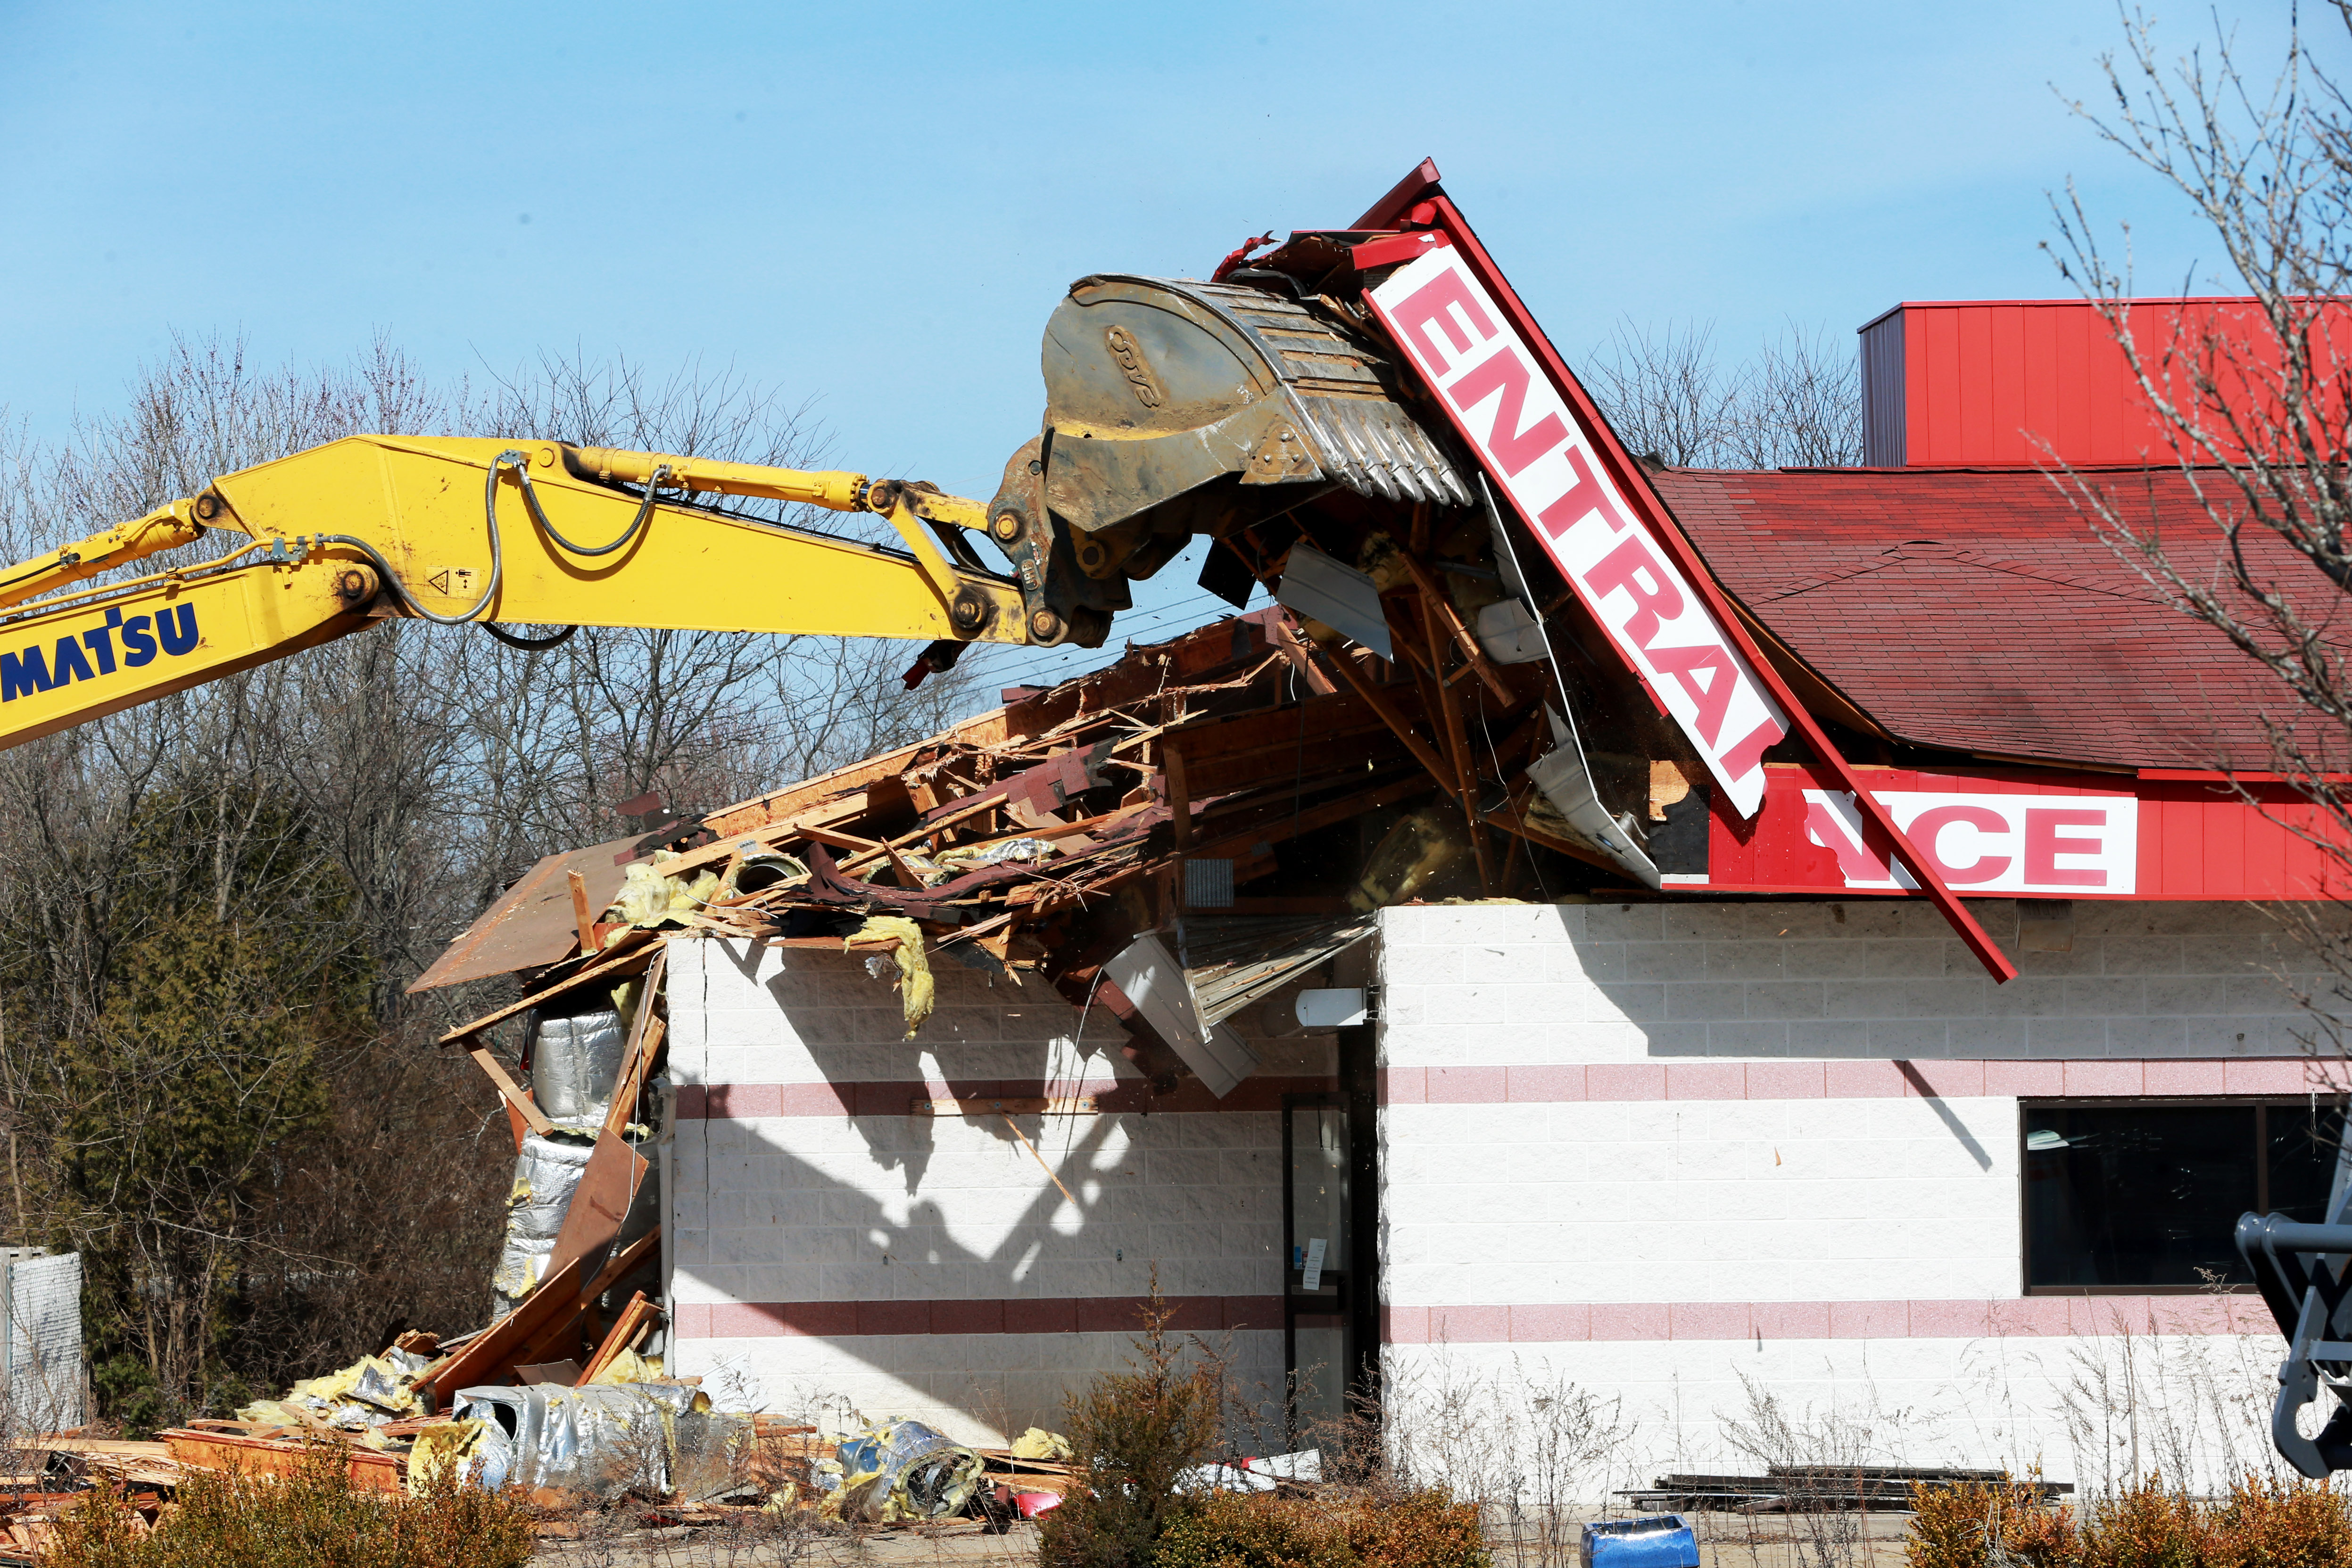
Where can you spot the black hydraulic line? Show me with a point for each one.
(522, 463)
(528, 644)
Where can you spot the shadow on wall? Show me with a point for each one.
(938, 1251)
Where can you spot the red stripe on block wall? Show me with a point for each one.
(1083, 1315)
(2026, 1317)
(1568, 1322)
(891, 1097)
(1625, 1083)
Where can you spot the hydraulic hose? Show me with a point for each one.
(531, 502)
(520, 464)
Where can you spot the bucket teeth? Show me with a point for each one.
(1151, 363)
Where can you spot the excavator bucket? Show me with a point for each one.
(1176, 408)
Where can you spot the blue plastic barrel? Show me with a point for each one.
(1660, 1540)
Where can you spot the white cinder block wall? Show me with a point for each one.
(832, 1253)
(1670, 1150)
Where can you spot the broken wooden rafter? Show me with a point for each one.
(1395, 721)
(584, 917)
(1457, 741)
(498, 1346)
(637, 954)
(1440, 604)
(1292, 824)
(558, 1321)
(637, 1054)
(628, 1328)
(531, 1115)
(932, 829)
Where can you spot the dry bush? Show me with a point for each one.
(1236, 1530)
(2264, 1522)
(1425, 1529)
(1527, 1446)
(1135, 1433)
(2148, 1526)
(1963, 1526)
(2192, 1409)
(1824, 1534)
(230, 1520)
(2273, 1523)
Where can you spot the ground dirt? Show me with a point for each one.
(1727, 1541)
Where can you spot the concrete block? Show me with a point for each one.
(1830, 1038)
(1878, 998)
(1665, 961)
(2067, 1037)
(1891, 956)
(1826, 959)
(1600, 962)
(1625, 921)
(1989, 1037)
(1785, 999)
(1897, 1039)
(2147, 1037)
(1532, 1001)
(2105, 996)
(1421, 963)
(1754, 1037)
(2142, 955)
(1744, 959)
(2257, 994)
(2085, 957)
(1632, 1001)
(1688, 922)
(1706, 1001)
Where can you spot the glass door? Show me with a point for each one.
(1318, 1298)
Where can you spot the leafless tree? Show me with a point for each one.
(212, 1079)
(2252, 400)
(1665, 394)
(1797, 403)
(1801, 405)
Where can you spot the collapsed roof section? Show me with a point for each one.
(1247, 791)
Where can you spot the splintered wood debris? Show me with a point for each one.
(1252, 788)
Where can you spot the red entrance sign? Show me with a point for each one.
(2023, 835)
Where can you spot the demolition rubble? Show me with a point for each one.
(1245, 785)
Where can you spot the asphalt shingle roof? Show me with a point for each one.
(1978, 610)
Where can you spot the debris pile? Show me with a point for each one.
(1811, 1489)
(1229, 806)
(1245, 794)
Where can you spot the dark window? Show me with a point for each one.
(2145, 1195)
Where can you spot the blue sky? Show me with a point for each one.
(876, 206)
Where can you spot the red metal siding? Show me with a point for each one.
(1989, 382)
(2196, 841)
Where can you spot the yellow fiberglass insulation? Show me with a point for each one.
(440, 1447)
(916, 986)
(648, 896)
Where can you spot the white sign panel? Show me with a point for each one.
(1533, 447)
(2057, 844)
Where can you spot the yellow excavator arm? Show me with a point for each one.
(463, 531)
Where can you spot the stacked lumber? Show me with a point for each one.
(1810, 1488)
